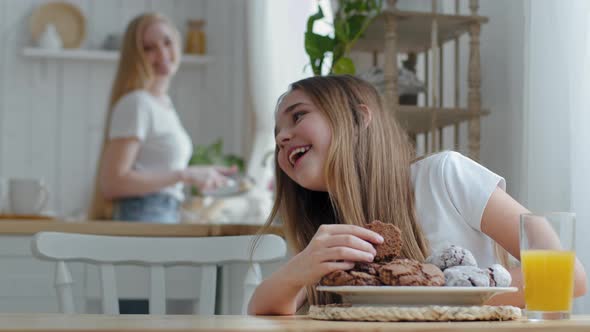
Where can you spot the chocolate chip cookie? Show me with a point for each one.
(369, 268)
(349, 278)
(392, 246)
(409, 272)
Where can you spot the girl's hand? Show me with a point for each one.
(208, 177)
(333, 247)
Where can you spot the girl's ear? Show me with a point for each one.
(366, 114)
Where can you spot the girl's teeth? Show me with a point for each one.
(297, 151)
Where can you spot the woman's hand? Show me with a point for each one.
(208, 177)
(333, 247)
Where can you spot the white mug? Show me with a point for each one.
(27, 196)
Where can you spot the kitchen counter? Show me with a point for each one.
(29, 227)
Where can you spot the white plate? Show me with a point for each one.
(237, 186)
(415, 295)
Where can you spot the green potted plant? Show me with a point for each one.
(350, 21)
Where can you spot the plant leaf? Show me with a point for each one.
(344, 66)
(355, 26)
(339, 51)
(317, 45)
(311, 20)
(350, 21)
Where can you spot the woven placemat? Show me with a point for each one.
(420, 314)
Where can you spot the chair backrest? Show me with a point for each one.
(156, 253)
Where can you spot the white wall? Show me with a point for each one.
(536, 83)
(556, 115)
(579, 64)
(502, 61)
(52, 111)
(547, 108)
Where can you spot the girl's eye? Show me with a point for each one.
(147, 48)
(298, 115)
(167, 42)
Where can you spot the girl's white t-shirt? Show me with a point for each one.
(165, 145)
(451, 193)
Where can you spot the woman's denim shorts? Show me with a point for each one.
(152, 208)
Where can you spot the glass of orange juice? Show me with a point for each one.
(547, 259)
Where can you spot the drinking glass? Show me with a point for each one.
(547, 260)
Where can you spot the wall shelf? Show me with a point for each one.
(414, 30)
(394, 32)
(100, 55)
(417, 119)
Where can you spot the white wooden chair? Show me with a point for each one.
(156, 253)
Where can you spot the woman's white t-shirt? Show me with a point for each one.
(451, 192)
(165, 145)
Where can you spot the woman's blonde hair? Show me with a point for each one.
(367, 172)
(133, 73)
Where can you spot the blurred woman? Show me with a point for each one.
(146, 150)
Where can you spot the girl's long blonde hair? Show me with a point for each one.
(367, 172)
(133, 73)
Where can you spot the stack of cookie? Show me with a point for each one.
(388, 268)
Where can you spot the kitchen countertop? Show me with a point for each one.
(29, 227)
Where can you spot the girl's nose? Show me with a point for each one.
(161, 52)
(283, 136)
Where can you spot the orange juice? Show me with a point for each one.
(548, 279)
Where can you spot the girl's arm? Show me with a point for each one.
(333, 247)
(277, 295)
(500, 221)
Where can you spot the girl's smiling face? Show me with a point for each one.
(303, 136)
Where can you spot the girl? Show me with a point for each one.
(343, 161)
(143, 164)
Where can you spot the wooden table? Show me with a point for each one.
(55, 322)
(24, 227)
